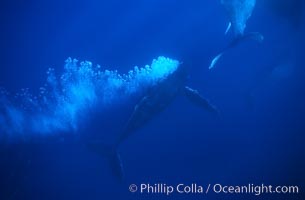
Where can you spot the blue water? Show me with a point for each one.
(68, 76)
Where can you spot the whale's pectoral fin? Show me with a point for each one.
(256, 36)
(112, 156)
(197, 99)
(215, 60)
(228, 28)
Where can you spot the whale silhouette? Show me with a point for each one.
(153, 103)
(238, 13)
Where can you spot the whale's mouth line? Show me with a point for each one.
(64, 100)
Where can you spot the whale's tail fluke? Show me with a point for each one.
(256, 36)
(110, 152)
(253, 36)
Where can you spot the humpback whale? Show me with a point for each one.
(238, 12)
(151, 104)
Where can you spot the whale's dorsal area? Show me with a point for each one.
(238, 11)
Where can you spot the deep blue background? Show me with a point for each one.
(259, 143)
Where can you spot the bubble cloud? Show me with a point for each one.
(64, 100)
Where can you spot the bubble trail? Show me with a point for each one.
(66, 99)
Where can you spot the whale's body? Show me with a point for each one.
(238, 12)
(157, 99)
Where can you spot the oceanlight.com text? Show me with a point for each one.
(195, 188)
